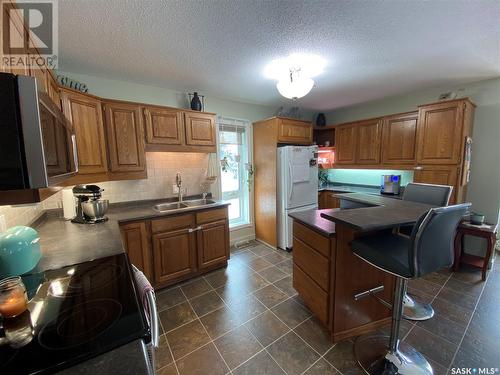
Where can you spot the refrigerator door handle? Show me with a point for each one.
(290, 188)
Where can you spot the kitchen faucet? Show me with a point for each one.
(178, 182)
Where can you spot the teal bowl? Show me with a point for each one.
(19, 251)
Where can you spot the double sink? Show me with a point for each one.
(184, 205)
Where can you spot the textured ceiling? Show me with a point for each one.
(218, 47)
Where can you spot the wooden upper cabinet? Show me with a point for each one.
(164, 126)
(439, 175)
(369, 139)
(125, 137)
(294, 131)
(85, 113)
(345, 144)
(200, 129)
(440, 132)
(53, 90)
(399, 139)
(136, 244)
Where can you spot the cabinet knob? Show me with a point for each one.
(418, 168)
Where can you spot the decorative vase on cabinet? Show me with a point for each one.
(196, 102)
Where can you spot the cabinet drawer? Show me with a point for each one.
(313, 263)
(313, 239)
(172, 223)
(211, 215)
(315, 297)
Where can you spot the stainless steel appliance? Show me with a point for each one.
(391, 183)
(90, 207)
(37, 142)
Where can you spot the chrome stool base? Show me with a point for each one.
(414, 310)
(373, 355)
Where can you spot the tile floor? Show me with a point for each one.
(248, 319)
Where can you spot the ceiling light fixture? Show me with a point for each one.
(294, 74)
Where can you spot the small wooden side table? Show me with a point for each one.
(488, 231)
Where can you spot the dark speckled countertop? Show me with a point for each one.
(313, 220)
(64, 243)
(354, 188)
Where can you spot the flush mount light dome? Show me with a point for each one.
(294, 74)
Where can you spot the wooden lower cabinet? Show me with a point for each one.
(327, 199)
(176, 248)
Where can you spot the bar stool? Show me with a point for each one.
(434, 195)
(428, 249)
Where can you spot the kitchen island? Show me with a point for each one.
(327, 275)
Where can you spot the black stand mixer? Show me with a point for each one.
(90, 207)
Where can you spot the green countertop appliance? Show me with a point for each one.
(19, 251)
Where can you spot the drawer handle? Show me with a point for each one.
(191, 230)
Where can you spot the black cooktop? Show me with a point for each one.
(75, 313)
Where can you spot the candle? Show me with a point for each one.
(13, 298)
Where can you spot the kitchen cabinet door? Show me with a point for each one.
(136, 244)
(200, 129)
(440, 133)
(345, 144)
(399, 139)
(85, 113)
(331, 201)
(213, 244)
(125, 137)
(439, 175)
(164, 126)
(295, 132)
(368, 138)
(174, 255)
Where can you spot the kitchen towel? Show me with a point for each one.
(69, 204)
(213, 167)
(144, 287)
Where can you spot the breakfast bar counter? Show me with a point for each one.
(327, 275)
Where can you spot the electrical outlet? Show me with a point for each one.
(175, 189)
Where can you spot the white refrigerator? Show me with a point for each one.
(297, 187)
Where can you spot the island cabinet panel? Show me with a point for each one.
(85, 113)
(213, 243)
(327, 199)
(352, 276)
(313, 263)
(440, 133)
(345, 144)
(314, 296)
(125, 137)
(200, 129)
(135, 241)
(399, 139)
(174, 255)
(164, 126)
(369, 137)
(294, 131)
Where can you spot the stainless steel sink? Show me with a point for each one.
(199, 202)
(163, 207)
(174, 206)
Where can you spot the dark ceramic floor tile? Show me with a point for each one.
(262, 250)
(187, 338)
(258, 264)
(195, 288)
(419, 295)
(470, 275)
(291, 313)
(431, 346)
(436, 278)
(244, 257)
(266, 328)
(463, 300)
(292, 354)
(206, 303)
(225, 275)
(473, 289)
(262, 363)
(274, 258)
(270, 296)
(424, 286)
(175, 316)
(437, 368)
(286, 286)
(163, 357)
(169, 298)
(205, 360)
(444, 328)
(321, 367)
(272, 274)
(477, 352)
(167, 370)
(247, 308)
(342, 356)
(219, 322)
(286, 266)
(404, 328)
(313, 332)
(485, 325)
(237, 346)
(451, 311)
(255, 282)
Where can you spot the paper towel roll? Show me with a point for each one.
(69, 204)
